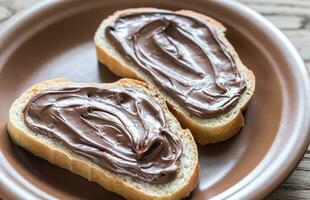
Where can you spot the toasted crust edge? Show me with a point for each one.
(204, 133)
(93, 172)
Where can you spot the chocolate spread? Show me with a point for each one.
(121, 130)
(185, 58)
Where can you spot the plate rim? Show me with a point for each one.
(37, 9)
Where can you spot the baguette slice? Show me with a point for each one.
(204, 130)
(56, 153)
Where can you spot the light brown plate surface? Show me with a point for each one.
(54, 39)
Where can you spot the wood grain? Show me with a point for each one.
(293, 18)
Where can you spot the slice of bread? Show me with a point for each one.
(56, 153)
(205, 130)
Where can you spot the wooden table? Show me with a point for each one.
(293, 18)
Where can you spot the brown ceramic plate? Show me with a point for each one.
(54, 39)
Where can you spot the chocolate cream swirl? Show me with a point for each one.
(183, 56)
(121, 130)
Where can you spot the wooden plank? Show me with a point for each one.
(287, 22)
(284, 10)
(293, 18)
(291, 3)
(301, 40)
(288, 194)
(5, 13)
(17, 5)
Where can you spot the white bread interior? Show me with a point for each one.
(204, 130)
(56, 153)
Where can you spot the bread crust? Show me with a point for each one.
(65, 158)
(204, 130)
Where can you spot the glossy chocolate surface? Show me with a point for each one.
(184, 56)
(121, 130)
(36, 47)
